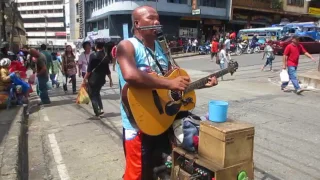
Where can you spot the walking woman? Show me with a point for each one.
(94, 79)
(69, 69)
(268, 52)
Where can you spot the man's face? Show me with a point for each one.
(149, 17)
(295, 40)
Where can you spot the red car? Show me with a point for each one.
(311, 45)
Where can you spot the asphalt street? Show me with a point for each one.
(65, 142)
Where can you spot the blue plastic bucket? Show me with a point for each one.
(218, 111)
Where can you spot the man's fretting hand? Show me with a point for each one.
(212, 82)
(179, 83)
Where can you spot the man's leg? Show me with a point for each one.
(292, 71)
(43, 90)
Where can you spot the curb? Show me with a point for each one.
(15, 161)
(183, 56)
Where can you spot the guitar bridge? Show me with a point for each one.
(187, 101)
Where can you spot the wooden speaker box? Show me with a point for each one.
(188, 166)
(228, 143)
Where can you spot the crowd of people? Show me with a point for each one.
(50, 69)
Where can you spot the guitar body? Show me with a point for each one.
(154, 110)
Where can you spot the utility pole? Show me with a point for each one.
(45, 29)
(3, 20)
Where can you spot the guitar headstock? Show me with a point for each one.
(232, 66)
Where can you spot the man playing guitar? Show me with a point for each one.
(135, 55)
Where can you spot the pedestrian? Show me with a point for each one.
(54, 71)
(291, 60)
(42, 75)
(84, 59)
(214, 48)
(69, 69)
(114, 54)
(222, 58)
(47, 54)
(268, 52)
(227, 44)
(94, 79)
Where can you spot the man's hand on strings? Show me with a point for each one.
(212, 81)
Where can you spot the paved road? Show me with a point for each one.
(65, 142)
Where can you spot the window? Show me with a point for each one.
(307, 39)
(77, 8)
(49, 2)
(213, 3)
(296, 2)
(178, 1)
(36, 3)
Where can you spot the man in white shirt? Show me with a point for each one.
(227, 44)
(194, 44)
(84, 59)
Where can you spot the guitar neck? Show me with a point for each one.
(203, 81)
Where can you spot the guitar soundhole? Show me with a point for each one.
(176, 95)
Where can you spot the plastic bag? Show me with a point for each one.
(32, 79)
(83, 96)
(284, 76)
(49, 85)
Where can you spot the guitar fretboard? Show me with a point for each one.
(203, 81)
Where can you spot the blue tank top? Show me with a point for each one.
(144, 62)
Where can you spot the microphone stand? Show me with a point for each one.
(163, 42)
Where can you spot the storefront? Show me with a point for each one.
(210, 28)
(189, 27)
(244, 19)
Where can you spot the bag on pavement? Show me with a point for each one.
(284, 76)
(83, 96)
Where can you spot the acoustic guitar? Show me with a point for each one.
(154, 110)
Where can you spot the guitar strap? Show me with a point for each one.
(153, 57)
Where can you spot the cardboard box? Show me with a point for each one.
(226, 144)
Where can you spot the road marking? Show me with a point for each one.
(62, 169)
(45, 116)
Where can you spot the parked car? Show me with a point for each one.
(310, 44)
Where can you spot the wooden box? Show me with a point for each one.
(220, 173)
(228, 143)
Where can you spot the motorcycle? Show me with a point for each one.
(241, 47)
(254, 47)
(204, 49)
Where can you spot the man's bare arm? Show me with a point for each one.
(131, 74)
(284, 61)
(309, 56)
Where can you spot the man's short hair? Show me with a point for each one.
(99, 43)
(43, 47)
(295, 37)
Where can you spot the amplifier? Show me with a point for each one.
(189, 166)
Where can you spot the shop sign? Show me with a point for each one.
(60, 34)
(314, 11)
(238, 16)
(196, 12)
(194, 4)
(188, 32)
(261, 19)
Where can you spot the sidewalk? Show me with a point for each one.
(183, 55)
(13, 143)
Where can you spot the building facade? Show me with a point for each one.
(11, 25)
(113, 17)
(74, 20)
(262, 13)
(44, 22)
